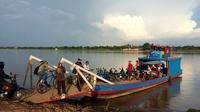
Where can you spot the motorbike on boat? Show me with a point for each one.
(11, 90)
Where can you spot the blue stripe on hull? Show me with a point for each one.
(129, 86)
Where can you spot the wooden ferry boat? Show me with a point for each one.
(105, 89)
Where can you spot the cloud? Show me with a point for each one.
(130, 26)
(135, 28)
(116, 22)
(152, 21)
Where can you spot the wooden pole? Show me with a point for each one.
(27, 70)
(72, 64)
(90, 86)
(31, 77)
(35, 58)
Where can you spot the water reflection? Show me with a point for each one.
(154, 99)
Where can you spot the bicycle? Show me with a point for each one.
(51, 81)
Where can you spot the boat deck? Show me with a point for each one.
(52, 95)
(72, 91)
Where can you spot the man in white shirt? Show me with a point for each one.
(86, 65)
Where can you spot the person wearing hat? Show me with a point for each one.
(43, 71)
(3, 75)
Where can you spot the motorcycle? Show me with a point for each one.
(11, 89)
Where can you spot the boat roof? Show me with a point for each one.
(153, 62)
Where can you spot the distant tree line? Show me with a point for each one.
(177, 48)
(145, 46)
(77, 47)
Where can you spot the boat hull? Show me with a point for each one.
(112, 91)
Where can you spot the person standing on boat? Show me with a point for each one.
(87, 67)
(60, 78)
(130, 70)
(80, 81)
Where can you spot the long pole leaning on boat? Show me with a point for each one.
(78, 68)
(29, 68)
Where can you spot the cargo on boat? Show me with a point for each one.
(100, 87)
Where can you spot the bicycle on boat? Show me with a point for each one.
(43, 87)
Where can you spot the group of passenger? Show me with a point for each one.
(145, 72)
(154, 71)
(44, 69)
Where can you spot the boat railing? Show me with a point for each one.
(79, 69)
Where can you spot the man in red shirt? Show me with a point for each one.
(130, 70)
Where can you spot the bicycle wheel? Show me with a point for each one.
(41, 87)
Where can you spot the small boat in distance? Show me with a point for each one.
(159, 55)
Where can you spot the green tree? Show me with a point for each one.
(146, 46)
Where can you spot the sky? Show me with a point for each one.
(99, 22)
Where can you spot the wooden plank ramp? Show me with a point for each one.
(51, 95)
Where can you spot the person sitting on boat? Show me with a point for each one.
(137, 75)
(130, 70)
(145, 76)
(154, 72)
(160, 71)
(42, 70)
(3, 76)
(149, 71)
(60, 78)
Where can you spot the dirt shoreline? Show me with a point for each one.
(18, 106)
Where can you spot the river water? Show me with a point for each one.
(179, 95)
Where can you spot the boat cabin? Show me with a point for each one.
(162, 56)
